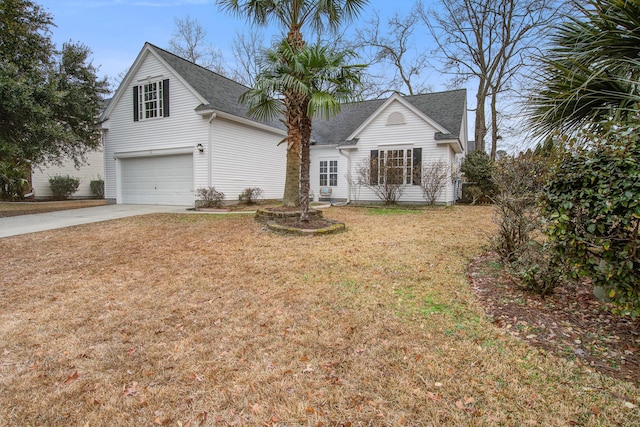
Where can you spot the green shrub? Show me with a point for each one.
(209, 197)
(13, 179)
(592, 205)
(536, 267)
(63, 186)
(477, 168)
(97, 188)
(251, 195)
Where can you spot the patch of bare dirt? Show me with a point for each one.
(571, 322)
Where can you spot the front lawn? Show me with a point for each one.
(209, 320)
(27, 208)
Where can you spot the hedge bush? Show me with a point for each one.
(592, 204)
(63, 186)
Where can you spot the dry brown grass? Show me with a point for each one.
(26, 208)
(209, 320)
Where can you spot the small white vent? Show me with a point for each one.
(395, 118)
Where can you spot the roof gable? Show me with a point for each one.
(214, 91)
(444, 110)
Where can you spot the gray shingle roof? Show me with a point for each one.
(445, 108)
(221, 93)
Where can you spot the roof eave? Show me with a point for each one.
(204, 110)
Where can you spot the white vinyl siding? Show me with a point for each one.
(415, 133)
(182, 128)
(244, 157)
(92, 170)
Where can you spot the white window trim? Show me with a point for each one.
(142, 103)
(328, 172)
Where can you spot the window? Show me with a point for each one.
(328, 173)
(397, 167)
(151, 100)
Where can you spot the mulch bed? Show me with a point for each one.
(570, 323)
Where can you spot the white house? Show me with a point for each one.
(173, 127)
(410, 132)
(91, 170)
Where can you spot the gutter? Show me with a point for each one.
(210, 151)
(348, 180)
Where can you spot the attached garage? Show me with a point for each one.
(157, 180)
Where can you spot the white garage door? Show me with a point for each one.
(164, 180)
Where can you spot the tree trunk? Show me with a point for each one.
(305, 163)
(292, 179)
(480, 124)
(293, 109)
(494, 125)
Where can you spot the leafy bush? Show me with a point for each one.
(477, 168)
(13, 179)
(63, 186)
(536, 268)
(209, 197)
(251, 195)
(97, 188)
(592, 203)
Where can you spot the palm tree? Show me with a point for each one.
(292, 16)
(592, 71)
(318, 79)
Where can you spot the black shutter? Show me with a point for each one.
(135, 104)
(417, 166)
(165, 97)
(373, 170)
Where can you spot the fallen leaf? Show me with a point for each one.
(131, 390)
(72, 377)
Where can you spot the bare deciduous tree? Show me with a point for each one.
(434, 180)
(386, 180)
(491, 41)
(189, 41)
(246, 50)
(393, 46)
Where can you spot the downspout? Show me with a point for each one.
(348, 180)
(210, 152)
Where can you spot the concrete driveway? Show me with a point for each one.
(23, 224)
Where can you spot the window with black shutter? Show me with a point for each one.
(151, 100)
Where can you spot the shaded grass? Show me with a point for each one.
(26, 208)
(169, 319)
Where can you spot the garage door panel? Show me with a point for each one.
(164, 180)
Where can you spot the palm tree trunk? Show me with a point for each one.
(293, 112)
(305, 162)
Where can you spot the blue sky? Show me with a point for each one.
(116, 30)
